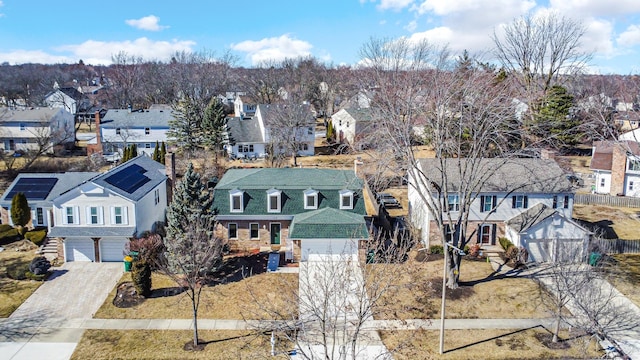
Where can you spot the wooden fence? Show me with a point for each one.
(598, 199)
(616, 246)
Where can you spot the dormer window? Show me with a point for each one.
(311, 199)
(346, 200)
(273, 200)
(236, 201)
(117, 131)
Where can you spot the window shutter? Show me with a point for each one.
(479, 232)
(64, 215)
(494, 202)
(555, 201)
(525, 202)
(493, 234)
(513, 202)
(101, 215)
(112, 212)
(88, 213)
(125, 217)
(34, 219)
(76, 215)
(482, 203)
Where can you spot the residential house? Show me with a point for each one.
(243, 107)
(509, 188)
(616, 167)
(96, 219)
(40, 189)
(353, 125)
(68, 98)
(252, 136)
(120, 128)
(41, 129)
(304, 211)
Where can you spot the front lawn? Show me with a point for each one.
(625, 275)
(168, 344)
(481, 294)
(610, 222)
(14, 292)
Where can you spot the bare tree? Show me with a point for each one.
(290, 129)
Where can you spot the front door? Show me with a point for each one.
(275, 234)
(485, 234)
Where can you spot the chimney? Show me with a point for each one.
(356, 162)
(97, 147)
(618, 169)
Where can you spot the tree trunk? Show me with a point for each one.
(453, 272)
(556, 330)
(195, 324)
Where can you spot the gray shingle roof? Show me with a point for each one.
(531, 175)
(122, 118)
(530, 217)
(153, 170)
(104, 231)
(66, 181)
(244, 130)
(34, 115)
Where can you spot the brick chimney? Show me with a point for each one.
(618, 170)
(97, 147)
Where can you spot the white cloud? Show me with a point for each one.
(597, 37)
(394, 4)
(150, 23)
(34, 56)
(411, 26)
(595, 8)
(99, 52)
(629, 37)
(485, 7)
(273, 49)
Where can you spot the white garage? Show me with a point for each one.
(112, 250)
(79, 249)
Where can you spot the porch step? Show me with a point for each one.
(49, 247)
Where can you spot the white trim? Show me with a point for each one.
(236, 194)
(346, 194)
(311, 194)
(277, 194)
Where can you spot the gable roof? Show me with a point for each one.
(530, 217)
(602, 156)
(268, 111)
(123, 118)
(328, 223)
(34, 115)
(292, 182)
(356, 113)
(62, 182)
(133, 179)
(528, 175)
(244, 130)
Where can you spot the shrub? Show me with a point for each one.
(31, 276)
(39, 265)
(150, 249)
(505, 243)
(436, 249)
(141, 276)
(9, 235)
(474, 250)
(5, 228)
(18, 271)
(36, 236)
(512, 253)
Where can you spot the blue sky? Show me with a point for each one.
(65, 31)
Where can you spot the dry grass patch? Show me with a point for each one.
(225, 301)
(485, 344)
(625, 276)
(14, 292)
(615, 222)
(168, 344)
(480, 295)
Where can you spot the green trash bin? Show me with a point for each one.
(128, 260)
(371, 256)
(594, 258)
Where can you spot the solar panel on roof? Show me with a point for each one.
(129, 179)
(33, 188)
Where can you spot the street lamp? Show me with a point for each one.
(444, 284)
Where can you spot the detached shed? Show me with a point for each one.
(548, 235)
(328, 231)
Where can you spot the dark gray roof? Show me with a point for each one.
(244, 130)
(268, 113)
(153, 170)
(66, 181)
(530, 217)
(530, 175)
(34, 115)
(92, 231)
(360, 114)
(123, 118)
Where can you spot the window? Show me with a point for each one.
(303, 147)
(519, 202)
(346, 199)
(311, 199)
(488, 203)
(602, 182)
(310, 131)
(634, 164)
(566, 202)
(23, 127)
(147, 131)
(156, 195)
(273, 200)
(555, 202)
(630, 185)
(40, 216)
(94, 215)
(254, 229)
(118, 219)
(147, 146)
(70, 215)
(235, 199)
(340, 123)
(117, 131)
(453, 203)
(233, 231)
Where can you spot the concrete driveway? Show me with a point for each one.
(40, 325)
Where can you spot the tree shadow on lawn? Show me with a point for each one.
(238, 268)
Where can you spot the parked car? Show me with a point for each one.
(387, 200)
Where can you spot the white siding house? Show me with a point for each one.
(616, 167)
(96, 219)
(35, 129)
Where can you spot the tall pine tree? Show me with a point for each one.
(20, 210)
(156, 152)
(163, 152)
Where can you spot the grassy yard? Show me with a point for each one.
(14, 292)
(485, 344)
(166, 344)
(626, 276)
(480, 295)
(615, 222)
(250, 298)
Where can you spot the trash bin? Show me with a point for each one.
(594, 258)
(127, 263)
(371, 256)
(134, 254)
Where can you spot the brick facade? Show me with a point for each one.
(618, 170)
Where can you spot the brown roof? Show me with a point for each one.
(602, 156)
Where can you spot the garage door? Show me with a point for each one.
(327, 247)
(539, 249)
(79, 250)
(112, 250)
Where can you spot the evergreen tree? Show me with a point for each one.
(214, 125)
(133, 152)
(163, 152)
(125, 154)
(330, 130)
(186, 125)
(555, 123)
(156, 152)
(20, 210)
